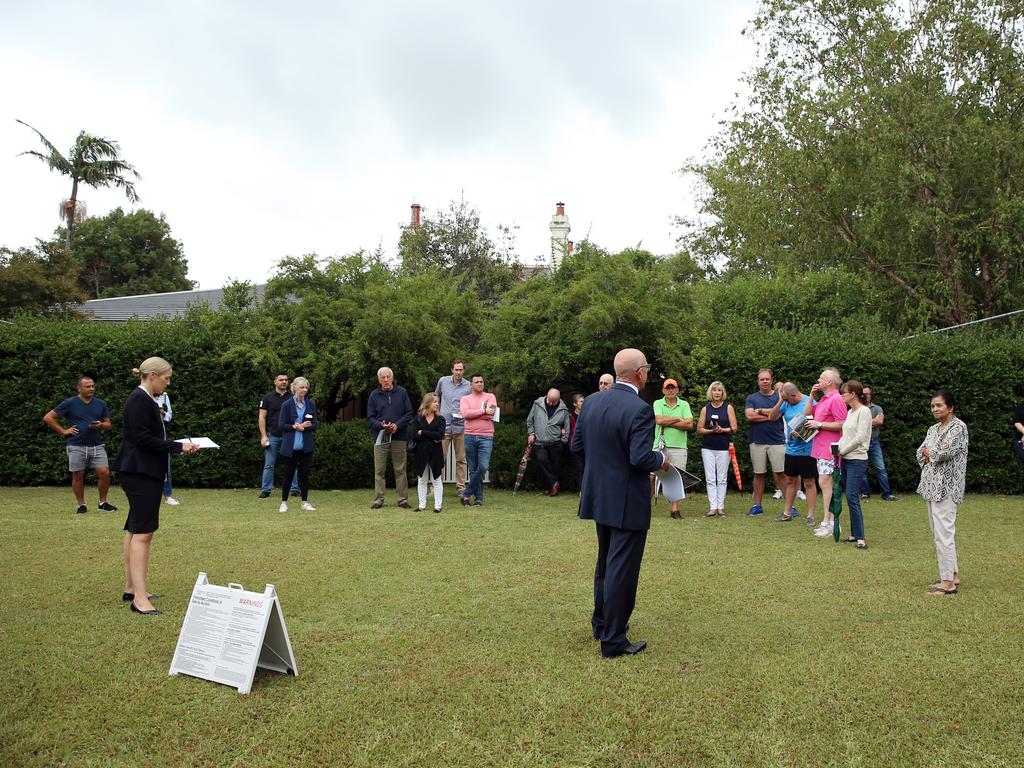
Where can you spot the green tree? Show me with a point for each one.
(455, 243)
(94, 161)
(882, 138)
(126, 254)
(38, 281)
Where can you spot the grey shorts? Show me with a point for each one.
(82, 457)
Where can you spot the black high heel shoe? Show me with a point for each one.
(154, 612)
(129, 596)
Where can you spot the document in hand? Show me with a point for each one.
(202, 442)
(497, 414)
(671, 483)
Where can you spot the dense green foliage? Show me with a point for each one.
(41, 280)
(884, 137)
(554, 330)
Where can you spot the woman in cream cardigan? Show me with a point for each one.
(853, 447)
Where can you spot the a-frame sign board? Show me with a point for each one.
(228, 632)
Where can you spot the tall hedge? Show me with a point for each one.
(216, 392)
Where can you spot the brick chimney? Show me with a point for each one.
(568, 248)
(415, 222)
(559, 209)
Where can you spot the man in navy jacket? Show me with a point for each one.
(389, 412)
(615, 432)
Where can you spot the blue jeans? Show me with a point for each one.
(269, 461)
(878, 463)
(855, 476)
(478, 457)
(167, 482)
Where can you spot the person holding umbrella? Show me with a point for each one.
(715, 425)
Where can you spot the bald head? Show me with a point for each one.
(605, 382)
(553, 396)
(631, 365)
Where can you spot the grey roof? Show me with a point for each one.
(152, 305)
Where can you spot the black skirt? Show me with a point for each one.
(143, 494)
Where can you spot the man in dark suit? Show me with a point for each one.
(615, 432)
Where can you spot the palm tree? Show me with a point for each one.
(92, 160)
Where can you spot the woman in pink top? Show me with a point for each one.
(827, 416)
(477, 410)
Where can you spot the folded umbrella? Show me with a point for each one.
(836, 505)
(521, 470)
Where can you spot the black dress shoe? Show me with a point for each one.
(630, 650)
(107, 507)
(264, 494)
(128, 597)
(154, 612)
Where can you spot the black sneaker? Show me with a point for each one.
(106, 506)
(264, 494)
(890, 497)
(82, 509)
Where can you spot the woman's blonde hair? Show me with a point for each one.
(425, 403)
(714, 384)
(150, 365)
(298, 381)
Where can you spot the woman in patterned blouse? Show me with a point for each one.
(943, 460)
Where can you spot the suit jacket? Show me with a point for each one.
(144, 444)
(614, 433)
(289, 413)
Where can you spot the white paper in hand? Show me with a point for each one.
(202, 442)
(671, 483)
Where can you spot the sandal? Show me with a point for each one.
(849, 540)
(940, 591)
(711, 513)
(862, 545)
(938, 585)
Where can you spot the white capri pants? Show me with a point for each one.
(421, 488)
(942, 518)
(716, 473)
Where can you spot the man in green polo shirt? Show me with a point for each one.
(673, 417)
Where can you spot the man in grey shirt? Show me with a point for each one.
(875, 458)
(450, 390)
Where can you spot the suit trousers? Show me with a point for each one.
(397, 450)
(459, 440)
(619, 554)
(942, 518)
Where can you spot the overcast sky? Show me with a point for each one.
(262, 132)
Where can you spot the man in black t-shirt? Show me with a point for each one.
(270, 433)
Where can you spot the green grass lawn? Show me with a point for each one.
(464, 638)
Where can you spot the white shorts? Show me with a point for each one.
(826, 467)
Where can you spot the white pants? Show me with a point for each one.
(421, 488)
(716, 473)
(942, 518)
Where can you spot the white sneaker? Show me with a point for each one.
(284, 507)
(801, 495)
(307, 507)
(171, 501)
(777, 494)
(823, 531)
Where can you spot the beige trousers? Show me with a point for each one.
(397, 450)
(460, 458)
(942, 518)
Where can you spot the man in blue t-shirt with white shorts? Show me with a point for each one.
(799, 462)
(766, 437)
(87, 415)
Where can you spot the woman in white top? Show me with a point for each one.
(853, 448)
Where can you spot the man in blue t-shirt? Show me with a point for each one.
(766, 437)
(799, 462)
(87, 415)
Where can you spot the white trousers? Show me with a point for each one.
(942, 518)
(421, 488)
(716, 473)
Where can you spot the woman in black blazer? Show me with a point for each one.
(298, 423)
(427, 429)
(141, 466)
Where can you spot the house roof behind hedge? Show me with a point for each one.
(153, 305)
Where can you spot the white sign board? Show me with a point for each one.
(228, 632)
